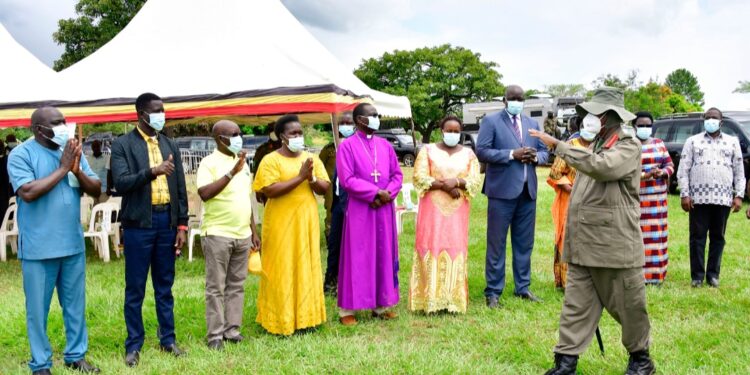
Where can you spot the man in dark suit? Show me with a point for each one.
(510, 185)
(147, 172)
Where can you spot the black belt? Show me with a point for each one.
(160, 207)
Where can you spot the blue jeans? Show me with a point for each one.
(149, 247)
(40, 278)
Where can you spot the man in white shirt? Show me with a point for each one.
(99, 163)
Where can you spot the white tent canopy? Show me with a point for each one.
(192, 47)
(22, 76)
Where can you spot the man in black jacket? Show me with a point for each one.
(147, 172)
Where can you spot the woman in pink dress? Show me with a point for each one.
(446, 176)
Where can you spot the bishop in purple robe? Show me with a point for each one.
(368, 171)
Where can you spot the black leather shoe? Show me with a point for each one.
(132, 359)
(529, 296)
(713, 282)
(564, 365)
(216, 345)
(640, 364)
(173, 349)
(44, 371)
(82, 366)
(493, 302)
(235, 340)
(696, 283)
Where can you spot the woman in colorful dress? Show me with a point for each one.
(290, 296)
(561, 178)
(656, 168)
(446, 176)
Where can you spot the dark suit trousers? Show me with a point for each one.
(149, 248)
(518, 215)
(707, 220)
(334, 242)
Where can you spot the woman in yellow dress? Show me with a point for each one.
(290, 296)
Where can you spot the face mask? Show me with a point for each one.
(156, 120)
(61, 134)
(515, 107)
(451, 139)
(235, 145)
(711, 125)
(587, 135)
(296, 144)
(643, 133)
(373, 123)
(346, 130)
(592, 124)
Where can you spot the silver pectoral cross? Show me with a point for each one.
(375, 174)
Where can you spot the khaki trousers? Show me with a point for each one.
(621, 291)
(226, 271)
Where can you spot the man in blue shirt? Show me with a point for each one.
(47, 174)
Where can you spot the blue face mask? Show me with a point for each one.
(346, 130)
(643, 133)
(587, 135)
(296, 144)
(60, 136)
(156, 120)
(451, 139)
(235, 144)
(515, 107)
(711, 125)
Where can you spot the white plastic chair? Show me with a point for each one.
(406, 205)
(194, 225)
(87, 204)
(114, 225)
(99, 227)
(12, 201)
(9, 232)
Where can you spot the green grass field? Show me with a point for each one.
(694, 331)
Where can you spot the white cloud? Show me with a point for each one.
(32, 23)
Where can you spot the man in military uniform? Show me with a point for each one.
(603, 244)
(550, 124)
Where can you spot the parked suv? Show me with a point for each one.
(675, 129)
(402, 143)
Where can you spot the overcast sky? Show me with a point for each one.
(535, 42)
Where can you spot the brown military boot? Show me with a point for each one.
(564, 365)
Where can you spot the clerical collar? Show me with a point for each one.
(362, 133)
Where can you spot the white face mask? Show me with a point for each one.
(451, 139)
(643, 133)
(373, 122)
(346, 130)
(296, 144)
(588, 136)
(235, 144)
(591, 124)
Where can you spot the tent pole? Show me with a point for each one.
(335, 130)
(80, 132)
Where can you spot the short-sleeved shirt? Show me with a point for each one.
(228, 213)
(159, 186)
(50, 226)
(100, 166)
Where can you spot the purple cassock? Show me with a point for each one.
(368, 264)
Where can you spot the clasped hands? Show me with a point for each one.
(382, 198)
(450, 186)
(525, 155)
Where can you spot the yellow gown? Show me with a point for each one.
(290, 296)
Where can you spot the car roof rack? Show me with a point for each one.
(673, 116)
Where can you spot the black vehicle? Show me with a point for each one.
(675, 129)
(402, 143)
(469, 139)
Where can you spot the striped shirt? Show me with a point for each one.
(159, 187)
(655, 156)
(711, 170)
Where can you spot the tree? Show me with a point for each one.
(611, 80)
(743, 88)
(682, 82)
(564, 89)
(658, 99)
(437, 81)
(97, 22)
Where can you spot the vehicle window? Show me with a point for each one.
(746, 125)
(661, 132)
(467, 140)
(683, 132)
(198, 144)
(405, 139)
(728, 129)
(536, 114)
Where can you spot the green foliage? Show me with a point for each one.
(437, 81)
(743, 88)
(565, 89)
(528, 93)
(97, 22)
(658, 99)
(683, 82)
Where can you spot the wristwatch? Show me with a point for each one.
(314, 179)
(229, 175)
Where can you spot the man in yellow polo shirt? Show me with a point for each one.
(227, 233)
